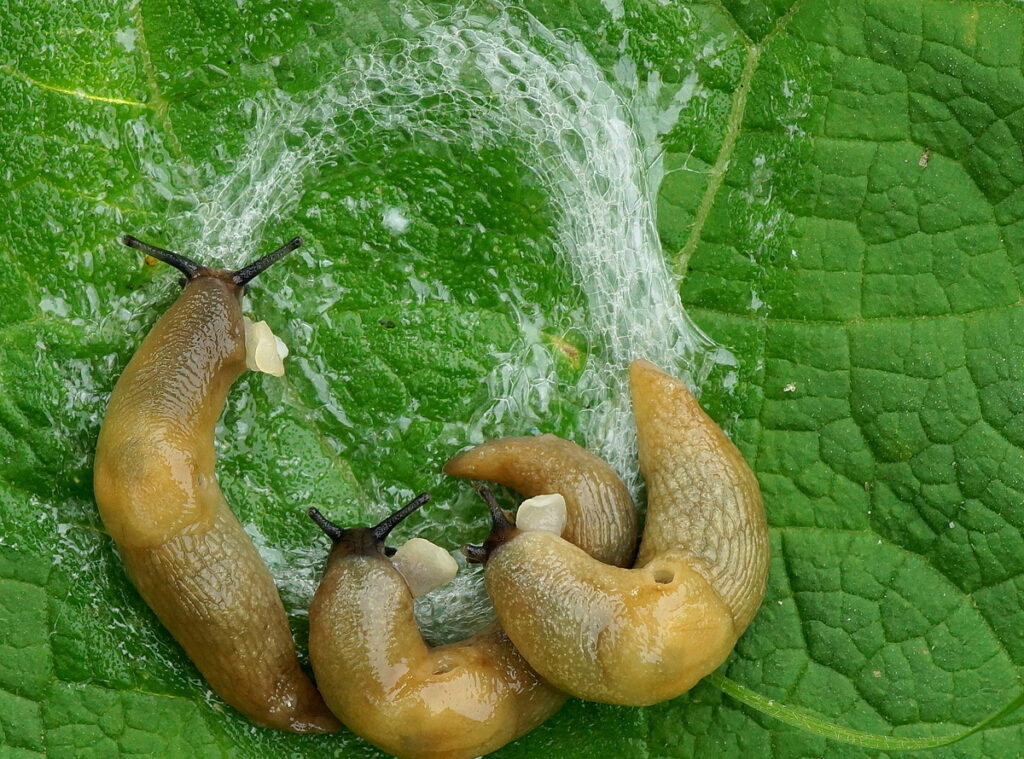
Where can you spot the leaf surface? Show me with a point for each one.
(842, 197)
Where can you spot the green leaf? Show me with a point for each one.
(839, 186)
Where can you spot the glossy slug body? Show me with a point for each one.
(182, 547)
(407, 698)
(640, 636)
(456, 701)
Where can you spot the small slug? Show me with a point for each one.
(640, 636)
(462, 699)
(157, 492)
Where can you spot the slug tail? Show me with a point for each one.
(702, 496)
(602, 519)
(312, 714)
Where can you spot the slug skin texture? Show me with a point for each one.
(643, 635)
(700, 493)
(463, 699)
(182, 547)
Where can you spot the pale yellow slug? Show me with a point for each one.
(156, 487)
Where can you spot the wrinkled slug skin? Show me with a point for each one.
(605, 633)
(701, 495)
(467, 698)
(549, 464)
(639, 636)
(387, 685)
(181, 545)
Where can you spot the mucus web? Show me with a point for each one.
(500, 80)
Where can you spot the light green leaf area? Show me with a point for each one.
(842, 195)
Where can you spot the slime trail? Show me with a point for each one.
(498, 81)
(478, 82)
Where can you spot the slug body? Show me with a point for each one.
(640, 636)
(390, 687)
(182, 547)
(453, 701)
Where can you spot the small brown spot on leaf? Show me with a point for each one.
(570, 351)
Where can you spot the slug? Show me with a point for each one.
(156, 487)
(462, 699)
(643, 635)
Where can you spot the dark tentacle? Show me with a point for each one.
(250, 271)
(186, 266)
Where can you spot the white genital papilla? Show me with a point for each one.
(264, 351)
(426, 566)
(542, 512)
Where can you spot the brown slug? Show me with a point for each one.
(156, 487)
(640, 636)
(462, 699)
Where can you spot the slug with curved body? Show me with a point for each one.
(462, 699)
(639, 636)
(157, 492)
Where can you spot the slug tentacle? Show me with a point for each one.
(501, 529)
(642, 635)
(330, 529)
(367, 539)
(499, 520)
(247, 273)
(475, 554)
(385, 526)
(454, 701)
(186, 266)
(182, 547)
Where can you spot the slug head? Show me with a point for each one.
(502, 530)
(365, 541)
(192, 270)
